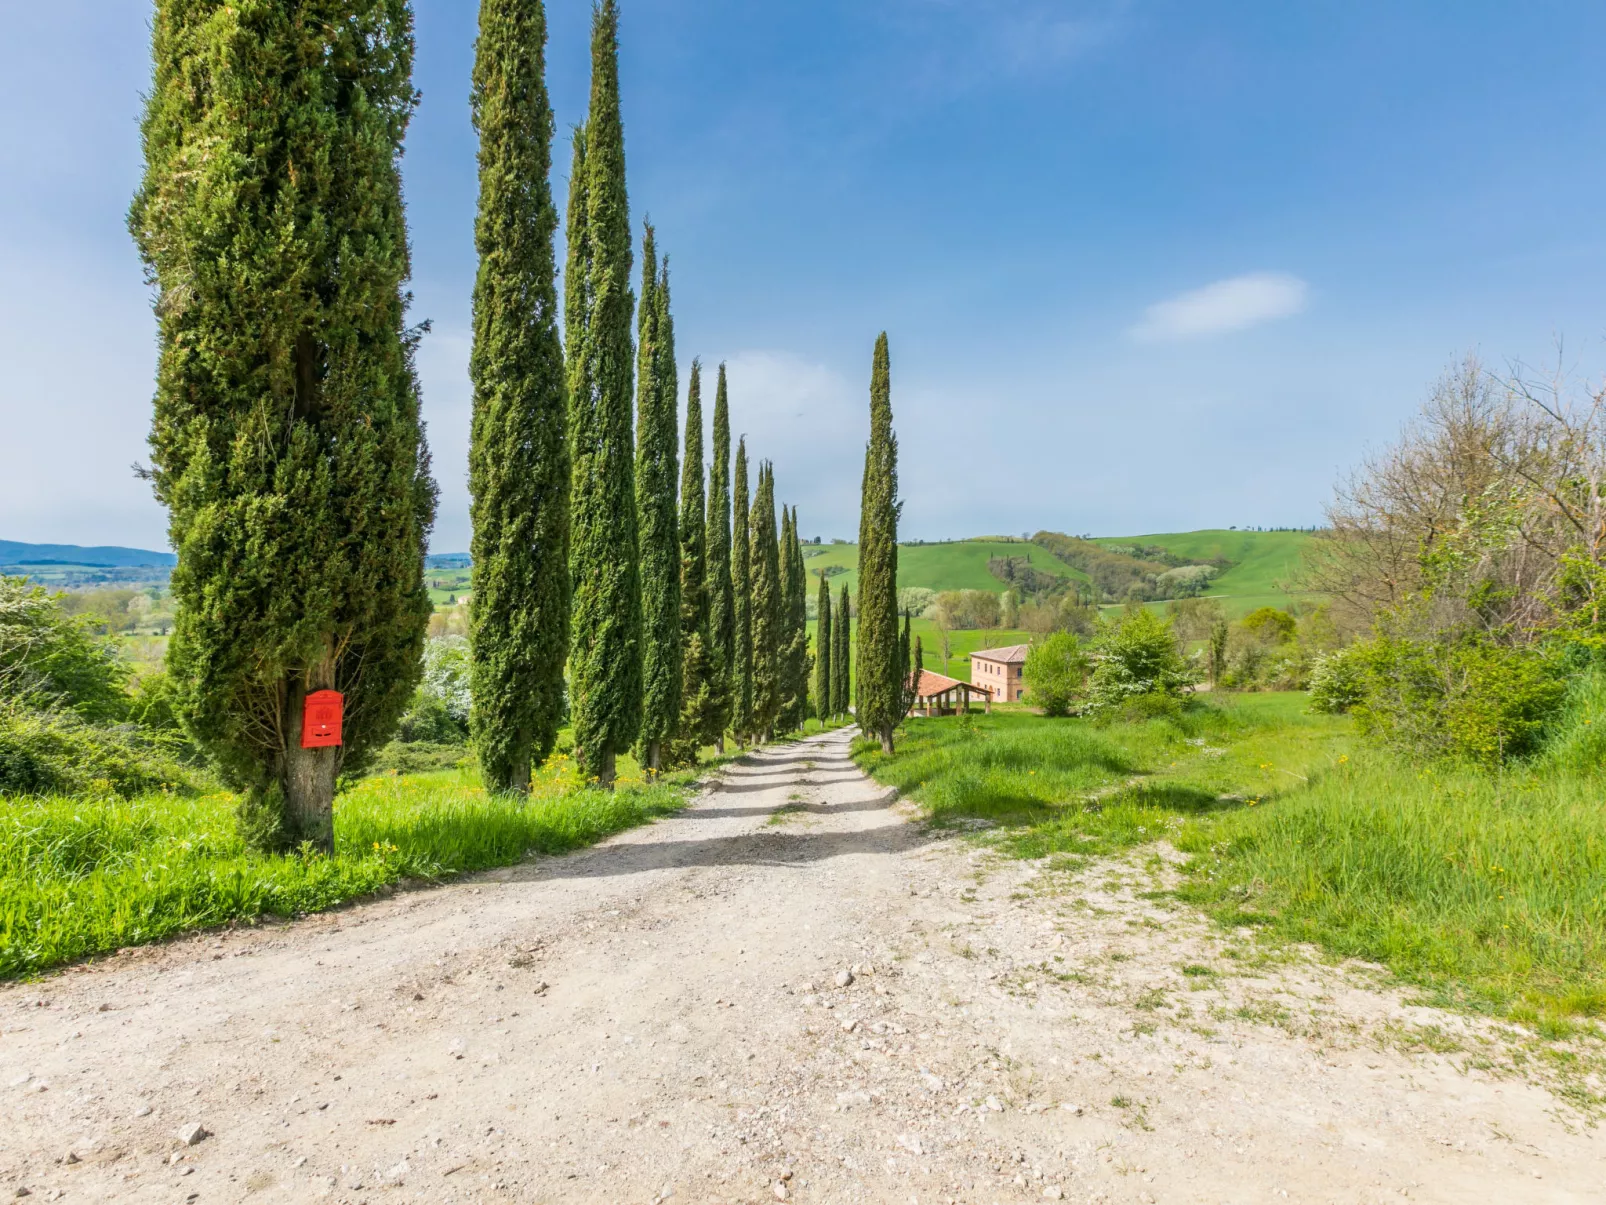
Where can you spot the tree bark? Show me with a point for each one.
(308, 778)
(886, 741)
(607, 770)
(655, 756)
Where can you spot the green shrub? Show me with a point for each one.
(1056, 673)
(49, 753)
(1577, 740)
(1462, 697)
(49, 660)
(1137, 655)
(1337, 682)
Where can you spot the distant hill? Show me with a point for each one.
(951, 565)
(15, 553)
(1261, 560)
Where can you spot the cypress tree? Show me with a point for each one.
(656, 465)
(741, 603)
(824, 648)
(842, 658)
(698, 717)
(786, 716)
(798, 628)
(721, 600)
(605, 666)
(286, 443)
(767, 614)
(518, 465)
(883, 662)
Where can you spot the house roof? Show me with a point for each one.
(931, 684)
(1010, 654)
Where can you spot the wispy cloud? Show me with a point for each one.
(1228, 305)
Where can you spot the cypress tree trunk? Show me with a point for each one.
(519, 449)
(767, 618)
(698, 719)
(882, 661)
(657, 462)
(741, 603)
(286, 441)
(823, 649)
(605, 665)
(842, 661)
(721, 600)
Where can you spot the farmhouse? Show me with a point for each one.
(938, 694)
(998, 671)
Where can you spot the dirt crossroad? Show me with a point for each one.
(670, 1016)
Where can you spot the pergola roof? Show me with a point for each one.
(931, 685)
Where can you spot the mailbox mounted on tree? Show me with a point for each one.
(320, 719)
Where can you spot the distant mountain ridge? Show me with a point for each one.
(14, 553)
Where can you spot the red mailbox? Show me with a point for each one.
(320, 719)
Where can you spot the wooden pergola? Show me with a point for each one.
(938, 694)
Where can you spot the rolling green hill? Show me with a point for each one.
(1262, 561)
(955, 565)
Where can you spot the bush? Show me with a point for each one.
(49, 660)
(1337, 682)
(1056, 673)
(1458, 697)
(56, 753)
(1137, 655)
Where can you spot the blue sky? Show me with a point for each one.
(1145, 264)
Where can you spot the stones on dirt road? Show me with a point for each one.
(911, 1143)
(193, 1134)
(143, 1111)
(844, 978)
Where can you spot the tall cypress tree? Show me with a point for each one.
(767, 614)
(518, 458)
(786, 716)
(286, 442)
(798, 628)
(699, 719)
(721, 598)
(842, 661)
(658, 533)
(605, 665)
(824, 647)
(882, 661)
(741, 602)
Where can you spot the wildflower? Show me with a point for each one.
(1342, 758)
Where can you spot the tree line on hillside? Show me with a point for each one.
(1132, 572)
(620, 583)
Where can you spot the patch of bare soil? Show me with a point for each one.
(788, 992)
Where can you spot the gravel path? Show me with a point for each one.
(670, 1016)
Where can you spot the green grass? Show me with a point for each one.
(1487, 890)
(81, 877)
(956, 565)
(1263, 561)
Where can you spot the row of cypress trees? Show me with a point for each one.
(675, 631)
(287, 446)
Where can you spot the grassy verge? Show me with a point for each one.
(1490, 891)
(81, 877)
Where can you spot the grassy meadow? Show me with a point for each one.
(1488, 891)
(86, 876)
(1263, 561)
(954, 565)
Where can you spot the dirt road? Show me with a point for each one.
(669, 1016)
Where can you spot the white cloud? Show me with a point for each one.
(1234, 304)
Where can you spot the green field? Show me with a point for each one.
(1263, 562)
(957, 565)
(86, 876)
(1488, 891)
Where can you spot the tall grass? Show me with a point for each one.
(80, 877)
(1487, 888)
